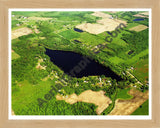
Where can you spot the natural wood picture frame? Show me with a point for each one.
(4, 9)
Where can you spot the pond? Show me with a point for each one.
(76, 65)
(77, 41)
(138, 19)
(130, 52)
(78, 30)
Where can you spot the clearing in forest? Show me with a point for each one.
(138, 28)
(20, 32)
(101, 14)
(127, 107)
(39, 64)
(89, 96)
(105, 24)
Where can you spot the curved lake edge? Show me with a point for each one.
(87, 72)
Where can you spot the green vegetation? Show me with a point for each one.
(69, 34)
(30, 84)
(15, 55)
(15, 23)
(141, 70)
(130, 25)
(143, 109)
(123, 94)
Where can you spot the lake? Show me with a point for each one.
(78, 30)
(76, 65)
(138, 19)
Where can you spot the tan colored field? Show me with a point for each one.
(101, 14)
(92, 28)
(139, 15)
(145, 13)
(89, 96)
(39, 64)
(113, 11)
(20, 32)
(138, 28)
(105, 24)
(127, 107)
(39, 18)
(111, 24)
(101, 26)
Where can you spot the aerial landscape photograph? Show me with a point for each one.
(79, 63)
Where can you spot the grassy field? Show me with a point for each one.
(135, 58)
(143, 109)
(141, 70)
(90, 39)
(69, 34)
(130, 25)
(115, 60)
(28, 93)
(15, 55)
(123, 94)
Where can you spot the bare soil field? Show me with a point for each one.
(89, 96)
(139, 15)
(138, 28)
(111, 24)
(92, 28)
(101, 14)
(145, 13)
(127, 107)
(20, 32)
(102, 25)
(39, 18)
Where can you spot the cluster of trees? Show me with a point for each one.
(15, 22)
(138, 41)
(25, 66)
(56, 107)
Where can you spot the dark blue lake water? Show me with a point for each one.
(76, 65)
(138, 19)
(77, 41)
(78, 30)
